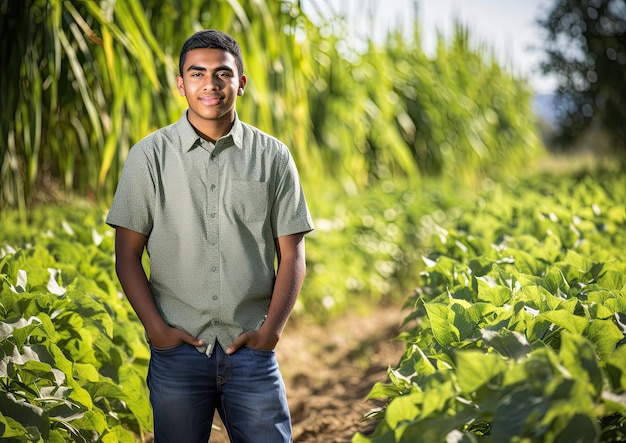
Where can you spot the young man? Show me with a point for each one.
(215, 202)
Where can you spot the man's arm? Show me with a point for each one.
(289, 278)
(129, 247)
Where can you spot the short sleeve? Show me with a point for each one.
(133, 203)
(290, 213)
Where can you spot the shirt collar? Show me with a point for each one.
(190, 139)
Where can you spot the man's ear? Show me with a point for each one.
(242, 85)
(180, 85)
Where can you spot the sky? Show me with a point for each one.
(508, 27)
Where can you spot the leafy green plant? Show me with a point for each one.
(517, 280)
(63, 316)
(520, 322)
(72, 358)
(365, 249)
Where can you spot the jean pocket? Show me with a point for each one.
(265, 352)
(169, 349)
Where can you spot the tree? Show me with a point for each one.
(586, 49)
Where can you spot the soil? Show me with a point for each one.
(329, 371)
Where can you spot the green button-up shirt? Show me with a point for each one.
(211, 214)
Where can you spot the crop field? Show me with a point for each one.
(505, 282)
(516, 327)
(520, 321)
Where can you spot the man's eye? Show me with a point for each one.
(223, 74)
(196, 74)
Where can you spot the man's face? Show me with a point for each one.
(211, 83)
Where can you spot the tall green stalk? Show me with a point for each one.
(85, 80)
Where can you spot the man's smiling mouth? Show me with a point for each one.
(210, 100)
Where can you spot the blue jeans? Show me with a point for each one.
(246, 388)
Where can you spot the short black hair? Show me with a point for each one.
(211, 38)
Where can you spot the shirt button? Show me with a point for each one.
(213, 215)
(215, 297)
(212, 187)
(214, 268)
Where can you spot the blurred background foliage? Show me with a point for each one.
(84, 80)
(585, 46)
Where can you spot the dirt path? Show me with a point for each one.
(329, 370)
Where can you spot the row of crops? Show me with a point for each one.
(73, 356)
(518, 323)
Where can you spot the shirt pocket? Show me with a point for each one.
(249, 200)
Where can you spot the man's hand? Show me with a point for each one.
(291, 269)
(261, 340)
(129, 246)
(167, 337)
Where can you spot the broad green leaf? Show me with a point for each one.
(570, 305)
(54, 355)
(554, 281)
(596, 307)
(10, 427)
(538, 328)
(435, 429)
(612, 280)
(117, 434)
(526, 262)
(15, 409)
(483, 313)
(57, 436)
(507, 343)
(403, 409)
(618, 306)
(534, 296)
(92, 311)
(382, 434)
(580, 263)
(91, 420)
(66, 413)
(34, 371)
(517, 414)
(496, 295)
(579, 357)
(79, 395)
(384, 391)
(480, 266)
(566, 320)
(605, 336)
(474, 369)
(578, 428)
(463, 321)
(36, 327)
(437, 397)
(442, 323)
(104, 388)
(414, 365)
(537, 370)
(86, 372)
(616, 369)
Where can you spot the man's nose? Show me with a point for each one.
(211, 83)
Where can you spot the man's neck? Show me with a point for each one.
(212, 130)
